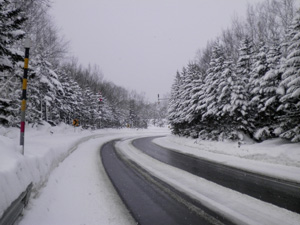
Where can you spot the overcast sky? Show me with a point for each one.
(140, 44)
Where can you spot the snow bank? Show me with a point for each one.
(45, 148)
(78, 191)
(276, 158)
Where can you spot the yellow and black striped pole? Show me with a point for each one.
(27, 45)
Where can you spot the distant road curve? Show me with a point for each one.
(278, 192)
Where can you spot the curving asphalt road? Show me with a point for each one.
(278, 192)
(149, 200)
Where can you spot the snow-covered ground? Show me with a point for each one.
(63, 183)
(71, 186)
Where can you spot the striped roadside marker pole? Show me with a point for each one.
(27, 45)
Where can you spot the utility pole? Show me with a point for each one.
(159, 99)
(27, 45)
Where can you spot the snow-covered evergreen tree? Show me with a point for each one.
(225, 88)
(174, 104)
(189, 74)
(47, 85)
(190, 81)
(76, 101)
(289, 87)
(239, 105)
(212, 82)
(66, 99)
(11, 20)
(108, 118)
(269, 99)
(259, 69)
(245, 60)
(183, 95)
(196, 93)
(133, 117)
(240, 92)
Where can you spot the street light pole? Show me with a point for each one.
(27, 45)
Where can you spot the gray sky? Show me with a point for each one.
(140, 44)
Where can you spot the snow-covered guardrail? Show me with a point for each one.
(12, 213)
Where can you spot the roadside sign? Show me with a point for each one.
(75, 122)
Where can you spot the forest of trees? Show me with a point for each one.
(246, 81)
(59, 88)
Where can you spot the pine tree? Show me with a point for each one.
(191, 82)
(226, 83)
(11, 20)
(269, 99)
(195, 94)
(290, 85)
(245, 60)
(183, 95)
(47, 85)
(34, 109)
(242, 121)
(108, 118)
(174, 104)
(239, 105)
(188, 76)
(66, 99)
(212, 82)
(133, 117)
(76, 101)
(259, 69)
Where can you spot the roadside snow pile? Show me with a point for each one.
(276, 158)
(45, 148)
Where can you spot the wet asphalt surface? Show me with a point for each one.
(153, 202)
(150, 203)
(281, 193)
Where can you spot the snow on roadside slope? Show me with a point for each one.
(78, 192)
(43, 152)
(276, 158)
(45, 148)
(240, 208)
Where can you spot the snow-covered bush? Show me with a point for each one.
(263, 133)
